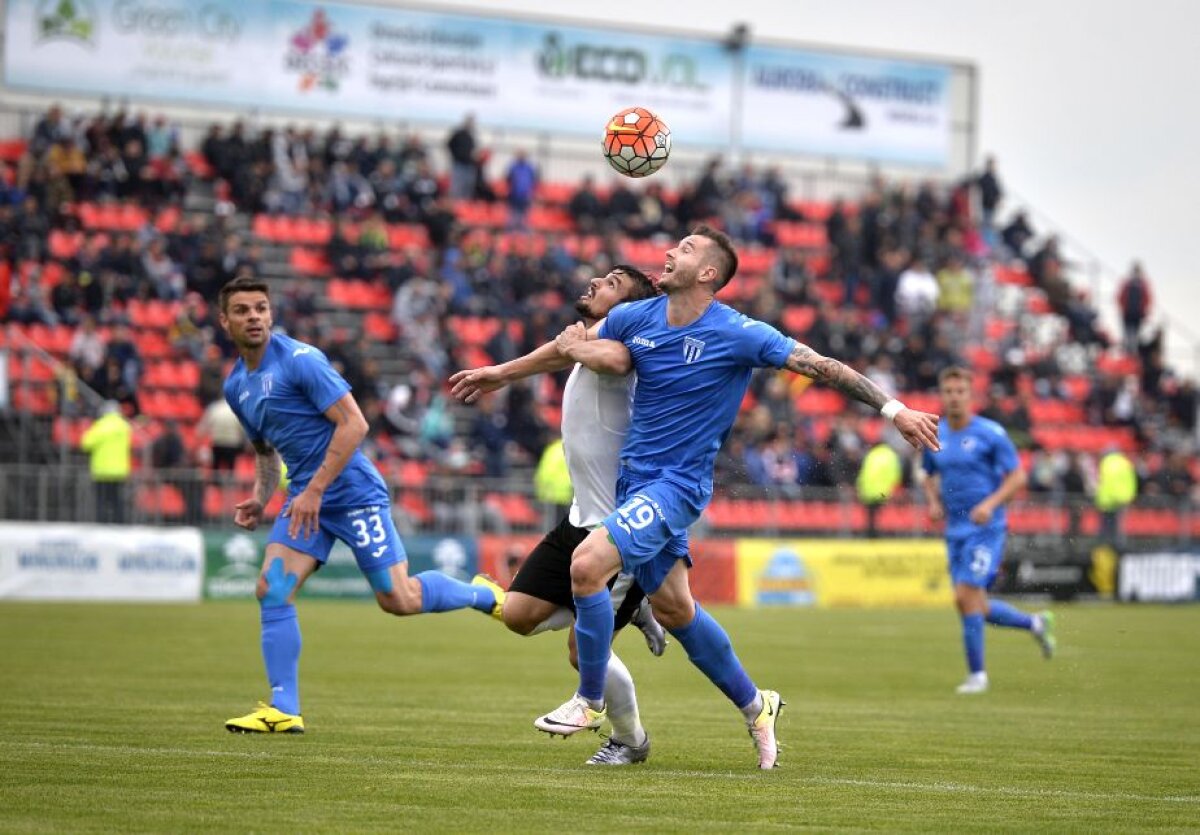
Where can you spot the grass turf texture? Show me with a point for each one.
(111, 719)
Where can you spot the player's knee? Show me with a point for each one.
(517, 619)
(672, 612)
(587, 575)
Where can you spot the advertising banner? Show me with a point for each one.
(825, 103)
(830, 573)
(1159, 577)
(369, 61)
(99, 562)
(233, 559)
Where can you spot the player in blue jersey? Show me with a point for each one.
(294, 405)
(694, 357)
(968, 484)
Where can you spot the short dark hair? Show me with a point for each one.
(641, 287)
(955, 372)
(241, 284)
(727, 259)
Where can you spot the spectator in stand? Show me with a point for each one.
(990, 193)
(108, 442)
(87, 351)
(220, 426)
(917, 293)
(1135, 299)
(169, 454)
(522, 179)
(165, 279)
(463, 164)
(66, 167)
(49, 129)
(585, 207)
(1175, 479)
(490, 437)
(1017, 234)
(955, 288)
(124, 352)
(212, 374)
(191, 331)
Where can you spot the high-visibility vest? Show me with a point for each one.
(880, 475)
(552, 481)
(1116, 482)
(109, 441)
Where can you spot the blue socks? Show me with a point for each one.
(281, 654)
(442, 593)
(1001, 614)
(972, 629)
(593, 638)
(708, 647)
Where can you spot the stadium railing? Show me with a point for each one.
(64, 492)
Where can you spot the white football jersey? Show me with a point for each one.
(595, 418)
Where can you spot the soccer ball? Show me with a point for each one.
(636, 142)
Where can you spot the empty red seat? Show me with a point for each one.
(308, 261)
(1012, 275)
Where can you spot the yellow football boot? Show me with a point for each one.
(487, 582)
(266, 720)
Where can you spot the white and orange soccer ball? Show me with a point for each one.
(636, 142)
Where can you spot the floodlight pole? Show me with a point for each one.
(735, 43)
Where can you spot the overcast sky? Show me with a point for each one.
(1092, 107)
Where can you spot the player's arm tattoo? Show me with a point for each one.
(350, 427)
(267, 469)
(808, 363)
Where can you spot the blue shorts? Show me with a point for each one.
(649, 526)
(369, 531)
(975, 556)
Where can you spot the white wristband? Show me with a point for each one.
(891, 409)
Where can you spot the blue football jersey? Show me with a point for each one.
(284, 401)
(972, 463)
(690, 382)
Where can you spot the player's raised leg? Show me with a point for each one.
(1040, 625)
(708, 647)
(372, 536)
(283, 573)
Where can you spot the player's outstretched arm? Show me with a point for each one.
(918, 428)
(604, 356)
(267, 467)
(349, 429)
(471, 384)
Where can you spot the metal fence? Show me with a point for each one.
(472, 506)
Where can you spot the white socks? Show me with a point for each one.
(561, 619)
(622, 704)
(755, 707)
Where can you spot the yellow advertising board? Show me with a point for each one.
(831, 573)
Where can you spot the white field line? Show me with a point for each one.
(896, 785)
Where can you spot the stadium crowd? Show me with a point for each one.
(899, 283)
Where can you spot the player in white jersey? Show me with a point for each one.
(595, 418)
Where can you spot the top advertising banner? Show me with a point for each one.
(367, 61)
(823, 103)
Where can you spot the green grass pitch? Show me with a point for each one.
(111, 720)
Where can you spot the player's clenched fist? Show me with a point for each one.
(248, 514)
(571, 335)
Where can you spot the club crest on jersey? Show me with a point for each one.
(267, 380)
(692, 349)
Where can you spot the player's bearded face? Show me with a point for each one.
(602, 295)
(247, 319)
